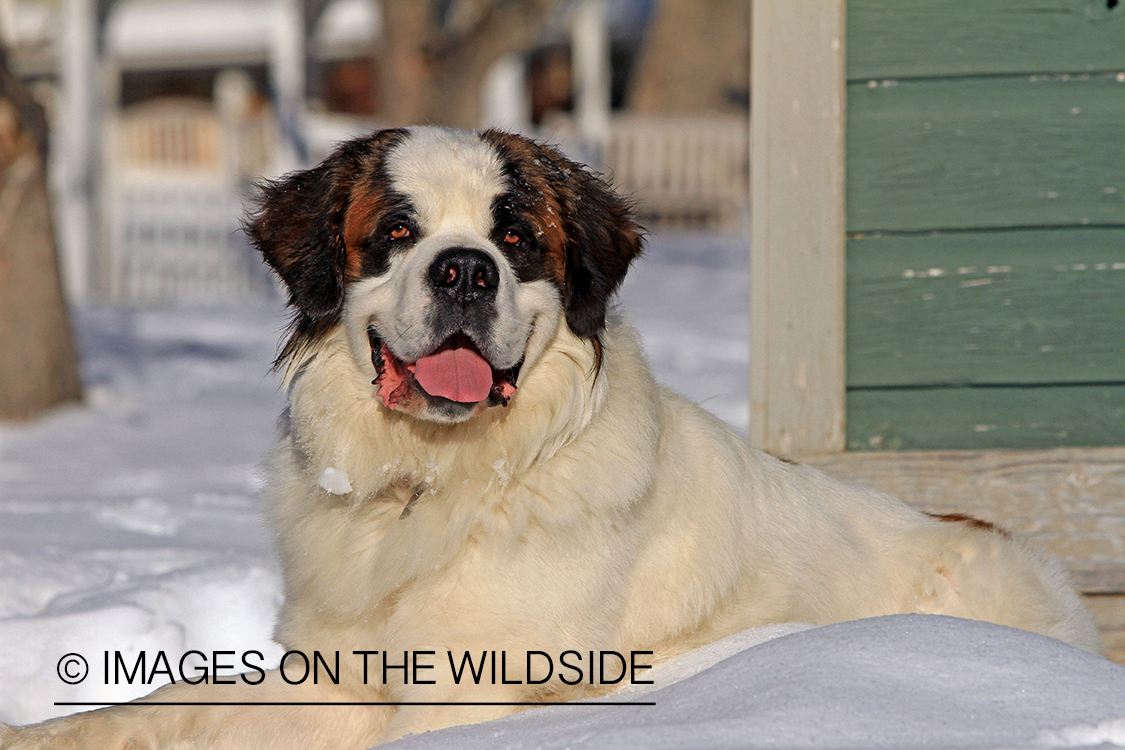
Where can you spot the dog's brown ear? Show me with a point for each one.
(602, 239)
(299, 230)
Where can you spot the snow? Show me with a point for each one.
(335, 481)
(1111, 733)
(133, 523)
(903, 681)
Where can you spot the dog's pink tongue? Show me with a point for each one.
(455, 372)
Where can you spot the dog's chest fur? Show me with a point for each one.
(454, 519)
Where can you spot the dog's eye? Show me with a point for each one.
(512, 237)
(400, 232)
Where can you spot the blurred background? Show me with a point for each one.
(147, 124)
(163, 113)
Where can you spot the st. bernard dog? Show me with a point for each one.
(476, 458)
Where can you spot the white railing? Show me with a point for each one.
(683, 172)
(175, 175)
(176, 172)
(168, 136)
(181, 243)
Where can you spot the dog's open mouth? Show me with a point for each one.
(455, 371)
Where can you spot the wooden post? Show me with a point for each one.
(75, 144)
(590, 40)
(797, 226)
(506, 101)
(287, 57)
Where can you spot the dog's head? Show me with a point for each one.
(451, 259)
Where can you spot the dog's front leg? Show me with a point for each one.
(272, 714)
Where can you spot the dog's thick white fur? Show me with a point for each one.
(596, 511)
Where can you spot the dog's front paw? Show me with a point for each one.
(79, 732)
(27, 738)
(23, 738)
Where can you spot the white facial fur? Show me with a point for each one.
(452, 178)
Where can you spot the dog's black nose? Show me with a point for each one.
(465, 274)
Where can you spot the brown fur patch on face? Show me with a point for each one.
(366, 253)
(964, 518)
(365, 204)
(533, 193)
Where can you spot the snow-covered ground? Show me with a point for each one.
(132, 524)
(907, 681)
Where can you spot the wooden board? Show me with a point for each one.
(986, 153)
(1070, 500)
(985, 417)
(994, 308)
(1108, 611)
(986, 212)
(927, 38)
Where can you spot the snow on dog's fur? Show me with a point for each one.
(476, 458)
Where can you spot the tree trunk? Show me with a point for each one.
(38, 360)
(405, 78)
(433, 75)
(696, 58)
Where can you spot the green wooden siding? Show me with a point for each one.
(982, 418)
(986, 152)
(986, 308)
(933, 38)
(986, 220)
